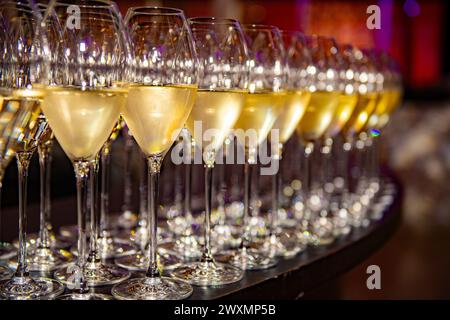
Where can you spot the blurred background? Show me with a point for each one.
(415, 262)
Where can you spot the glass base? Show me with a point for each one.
(127, 220)
(69, 232)
(7, 251)
(208, 273)
(46, 260)
(85, 296)
(55, 242)
(247, 259)
(109, 247)
(161, 288)
(140, 262)
(96, 274)
(224, 236)
(188, 247)
(140, 235)
(285, 245)
(27, 288)
(5, 273)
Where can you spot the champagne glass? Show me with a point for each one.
(8, 114)
(266, 97)
(43, 255)
(82, 108)
(281, 243)
(333, 183)
(127, 219)
(160, 98)
(109, 246)
(323, 72)
(24, 75)
(368, 96)
(388, 82)
(222, 52)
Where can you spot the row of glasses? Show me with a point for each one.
(166, 73)
(24, 75)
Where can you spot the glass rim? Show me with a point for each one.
(101, 4)
(212, 20)
(166, 11)
(263, 27)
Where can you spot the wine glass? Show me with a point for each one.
(160, 97)
(323, 73)
(8, 113)
(368, 96)
(108, 245)
(222, 52)
(283, 243)
(42, 248)
(387, 83)
(335, 180)
(82, 108)
(24, 75)
(267, 96)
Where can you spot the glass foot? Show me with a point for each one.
(285, 245)
(187, 247)
(85, 296)
(46, 260)
(224, 237)
(247, 259)
(69, 232)
(7, 251)
(55, 242)
(140, 262)
(161, 288)
(27, 288)
(96, 274)
(127, 220)
(140, 235)
(208, 273)
(5, 273)
(109, 247)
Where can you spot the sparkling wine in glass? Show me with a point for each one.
(161, 95)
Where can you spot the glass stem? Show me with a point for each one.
(127, 192)
(104, 193)
(307, 171)
(23, 162)
(276, 184)
(374, 163)
(143, 209)
(188, 179)
(95, 221)
(207, 256)
(82, 170)
(345, 174)
(154, 168)
(247, 195)
(44, 215)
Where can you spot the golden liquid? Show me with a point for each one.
(364, 108)
(291, 113)
(155, 115)
(394, 101)
(9, 112)
(381, 110)
(29, 125)
(260, 112)
(82, 120)
(116, 130)
(218, 110)
(346, 105)
(318, 115)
